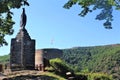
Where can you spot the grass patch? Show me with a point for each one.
(53, 75)
(34, 75)
(4, 59)
(96, 76)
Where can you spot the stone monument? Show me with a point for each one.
(22, 52)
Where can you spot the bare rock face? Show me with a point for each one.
(22, 51)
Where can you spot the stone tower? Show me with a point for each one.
(43, 56)
(22, 52)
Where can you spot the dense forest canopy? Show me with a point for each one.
(104, 59)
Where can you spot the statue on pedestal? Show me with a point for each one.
(22, 52)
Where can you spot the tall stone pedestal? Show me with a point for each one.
(22, 53)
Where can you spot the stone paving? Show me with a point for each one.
(2, 76)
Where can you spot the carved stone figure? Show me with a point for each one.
(23, 19)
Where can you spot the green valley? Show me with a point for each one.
(94, 60)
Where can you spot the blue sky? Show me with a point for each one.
(55, 27)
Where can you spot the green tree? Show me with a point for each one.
(60, 66)
(106, 7)
(6, 22)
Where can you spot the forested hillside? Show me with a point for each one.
(94, 59)
(4, 59)
(104, 59)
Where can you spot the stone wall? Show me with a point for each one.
(52, 53)
(22, 53)
(42, 56)
(29, 55)
(39, 57)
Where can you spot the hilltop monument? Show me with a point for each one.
(23, 55)
(22, 52)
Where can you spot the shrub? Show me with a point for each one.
(98, 76)
(60, 66)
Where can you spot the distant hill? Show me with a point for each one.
(4, 59)
(94, 59)
(104, 59)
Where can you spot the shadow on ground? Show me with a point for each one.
(33, 77)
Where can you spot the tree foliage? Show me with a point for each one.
(106, 7)
(6, 21)
(60, 66)
(104, 59)
(4, 59)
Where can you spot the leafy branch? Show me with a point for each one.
(106, 7)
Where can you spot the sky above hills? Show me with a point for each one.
(55, 27)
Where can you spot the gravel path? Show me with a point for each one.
(2, 76)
